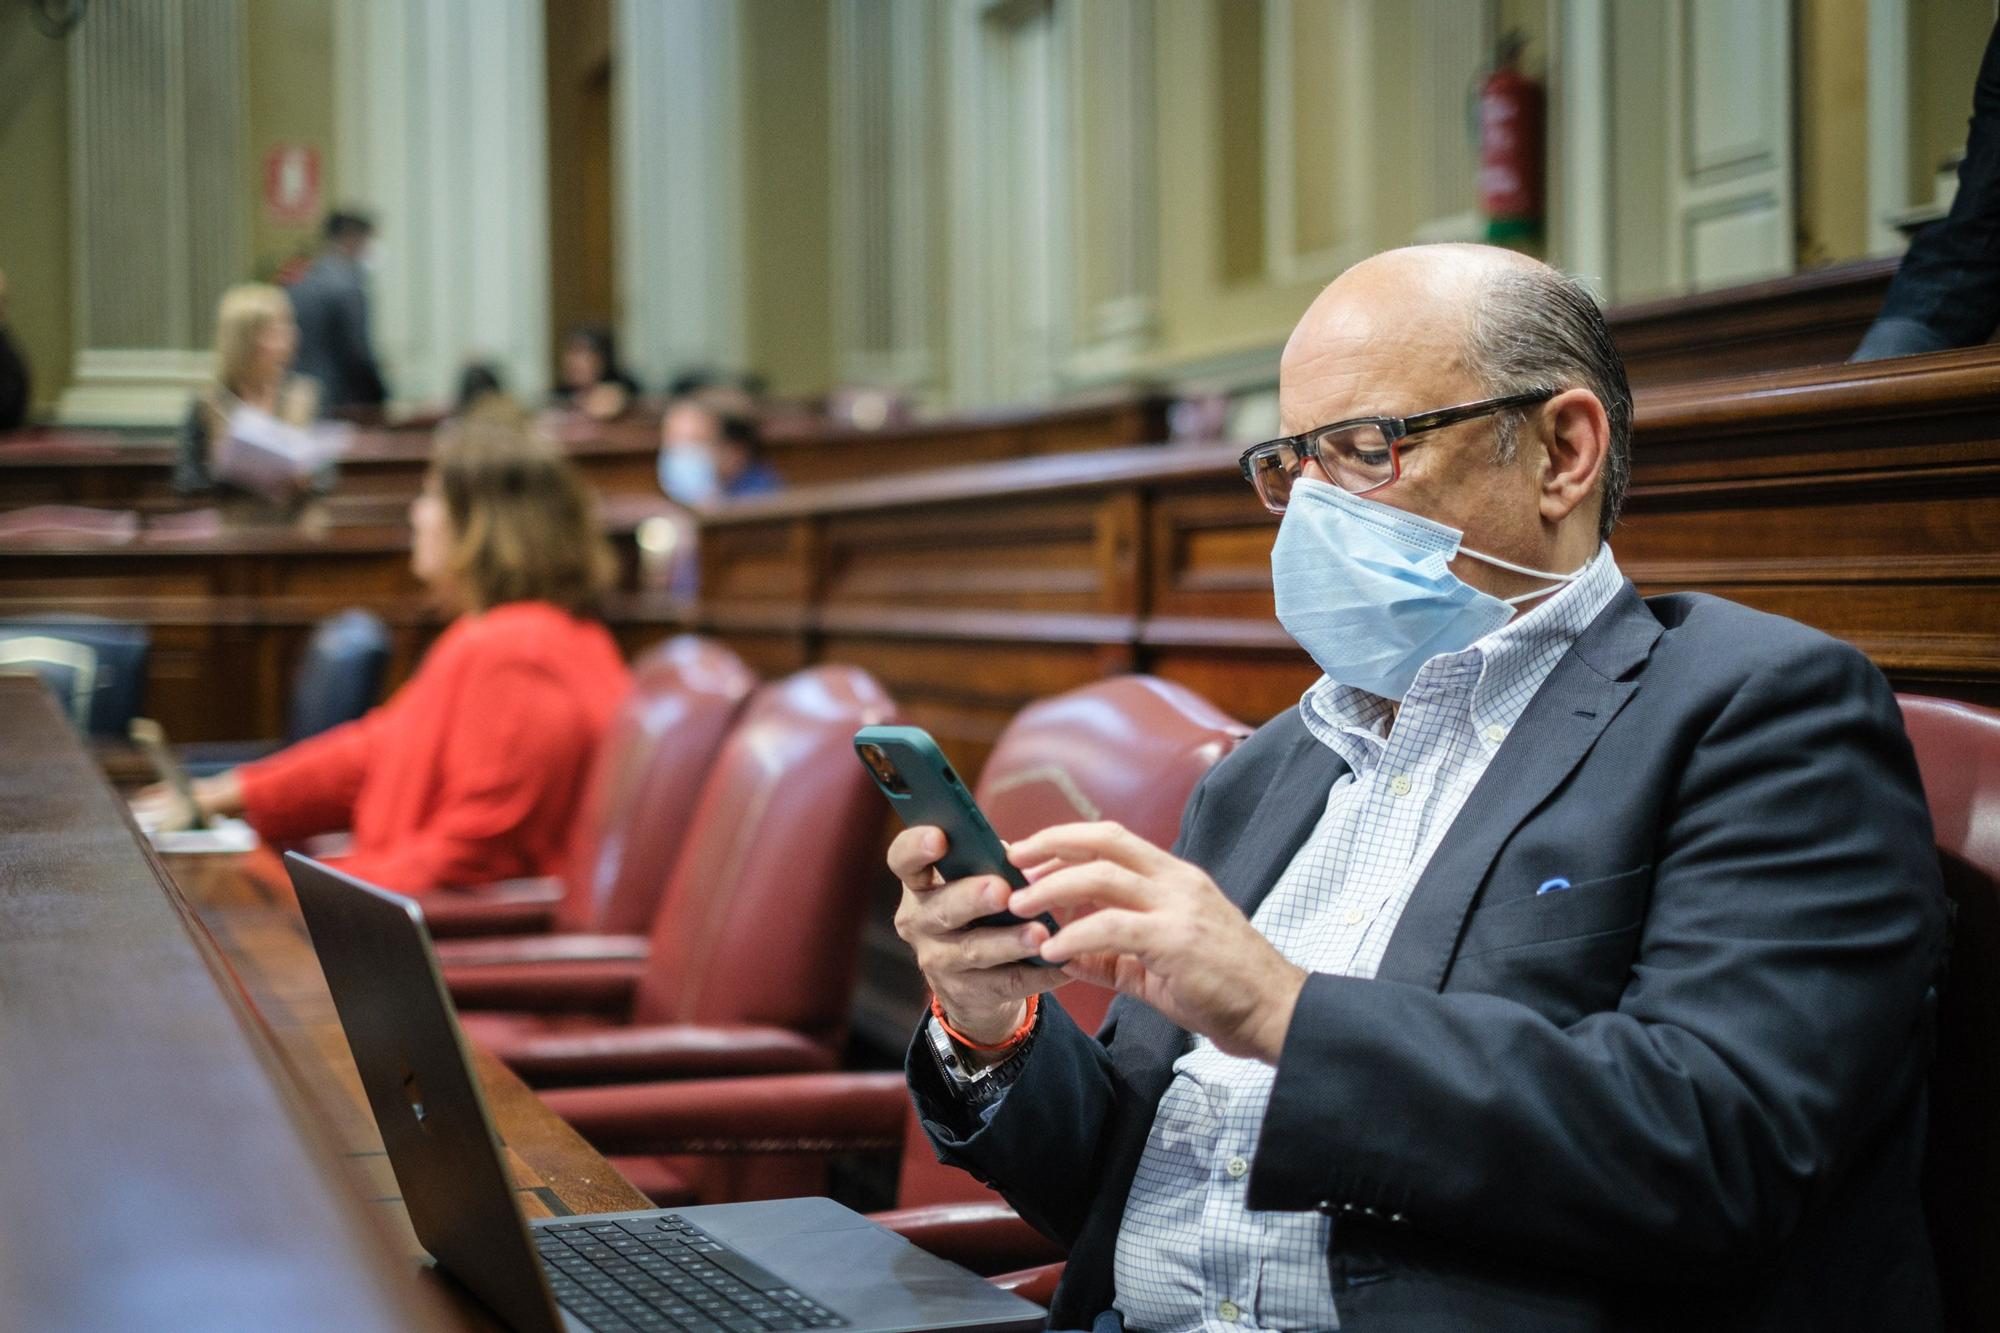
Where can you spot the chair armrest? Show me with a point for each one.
(986, 1236)
(639, 1054)
(586, 985)
(506, 907)
(1034, 1284)
(539, 950)
(778, 1113)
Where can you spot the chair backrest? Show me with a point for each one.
(638, 804)
(97, 668)
(1958, 754)
(1129, 749)
(340, 674)
(761, 922)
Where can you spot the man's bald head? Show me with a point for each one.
(1474, 320)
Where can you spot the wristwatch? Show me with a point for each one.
(978, 1087)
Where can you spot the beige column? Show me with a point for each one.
(156, 129)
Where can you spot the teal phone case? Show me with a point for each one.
(931, 793)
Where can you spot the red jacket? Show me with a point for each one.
(472, 771)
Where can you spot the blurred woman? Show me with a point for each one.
(589, 378)
(472, 771)
(245, 438)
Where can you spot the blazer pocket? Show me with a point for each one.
(1591, 907)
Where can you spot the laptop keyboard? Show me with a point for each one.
(666, 1273)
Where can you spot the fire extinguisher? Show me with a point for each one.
(1510, 147)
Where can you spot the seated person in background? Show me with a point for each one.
(1566, 960)
(711, 449)
(246, 437)
(483, 396)
(1947, 291)
(590, 380)
(472, 771)
(14, 381)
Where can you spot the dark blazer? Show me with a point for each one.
(1685, 1093)
(335, 346)
(1947, 291)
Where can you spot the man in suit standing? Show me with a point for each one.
(331, 305)
(1564, 961)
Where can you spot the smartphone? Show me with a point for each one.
(151, 738)
(922, 789)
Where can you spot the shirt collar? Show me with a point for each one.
(1500, 673)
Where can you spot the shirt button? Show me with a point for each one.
(1399, 785)
(1496, 733)
(1237, 1168)
(1230, 1312)
(1355, 916)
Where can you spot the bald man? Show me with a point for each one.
(1565, 960)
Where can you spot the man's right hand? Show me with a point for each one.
(977, 973)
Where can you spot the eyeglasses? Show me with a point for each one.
(1361, 455)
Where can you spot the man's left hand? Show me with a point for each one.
(1158, 929)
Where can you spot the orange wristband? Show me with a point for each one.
(1013, 1039)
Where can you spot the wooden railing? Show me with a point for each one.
(620, 457)
(1867, 504)
(1815, 318)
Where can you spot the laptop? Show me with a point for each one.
(776, 1264)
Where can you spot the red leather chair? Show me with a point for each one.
(1958, 753)
(1129, 749)
(636, 807)
(750, 964)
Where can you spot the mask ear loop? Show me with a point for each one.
(1558, 579)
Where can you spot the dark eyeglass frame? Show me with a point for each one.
(1395, 430)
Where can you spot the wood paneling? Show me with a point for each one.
(230, 616)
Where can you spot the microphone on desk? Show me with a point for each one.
(151, 737)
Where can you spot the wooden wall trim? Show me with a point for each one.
(1816, 318)
(1901, 389)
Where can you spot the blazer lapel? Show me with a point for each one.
(1565, 718)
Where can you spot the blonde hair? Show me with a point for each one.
(523, 521)
(239, 318)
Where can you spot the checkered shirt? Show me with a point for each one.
(1190, 1254)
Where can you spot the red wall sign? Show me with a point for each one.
(291, 183)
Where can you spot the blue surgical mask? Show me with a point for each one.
(687, 473)
(1368, 591)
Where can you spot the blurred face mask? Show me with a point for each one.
(1367, 588)
(687, 472)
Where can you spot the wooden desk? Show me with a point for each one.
(91, 468)
(160, 1166)
(619, 457)
(247, 905)
(186, 1138)
(229, 615)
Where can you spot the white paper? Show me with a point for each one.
(226, 836)
(271, 457)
